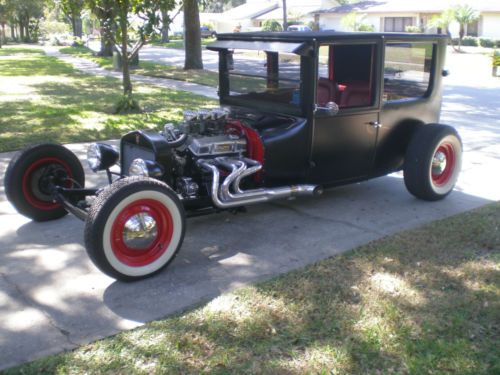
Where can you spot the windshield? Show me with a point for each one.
(270, 77)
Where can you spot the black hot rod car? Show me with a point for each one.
(299, 112)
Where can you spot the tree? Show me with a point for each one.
(464, 14)
(3, 20)
(27, 15)
(117, 15)
(105, 11)
(165, 7)
(442, 21)
(72, 9)
(355, 22)
(271, 25)
(192, 37)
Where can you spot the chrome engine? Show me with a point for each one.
(207, 134)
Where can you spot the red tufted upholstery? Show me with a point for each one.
(326, 92)
(355, 94)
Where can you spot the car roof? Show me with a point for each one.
(322, 36)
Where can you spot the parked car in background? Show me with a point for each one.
(206, 32)
(301, 28)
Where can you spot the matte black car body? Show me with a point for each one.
(352, 145)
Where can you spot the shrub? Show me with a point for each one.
(413, 29)
(469, 41)
(489, 43)
(496, 58)
(271, 25)
(365, 27)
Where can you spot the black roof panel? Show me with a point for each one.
(322, 36)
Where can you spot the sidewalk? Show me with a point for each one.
(91, 67)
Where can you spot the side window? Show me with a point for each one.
(345, 75)
(407, 70)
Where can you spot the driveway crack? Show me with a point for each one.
(30, 302)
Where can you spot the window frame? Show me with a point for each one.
(432, 73)
(377, 70)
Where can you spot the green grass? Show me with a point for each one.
(425, 301)
(44, 99)
(148, 68)
(179, 43)
(7, 51)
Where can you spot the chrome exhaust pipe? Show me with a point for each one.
(222, 196)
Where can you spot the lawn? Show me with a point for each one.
(424, 301)
(179, 43)
(148, 68)
(44, 99)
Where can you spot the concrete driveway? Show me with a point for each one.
(52, 298)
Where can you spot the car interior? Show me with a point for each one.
(349, 79)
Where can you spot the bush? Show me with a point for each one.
(365, 27)
(271, 25)
(496, 58)
(468, 41)
(489, 43)
(413, 29)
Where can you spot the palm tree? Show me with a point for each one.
(464, 14)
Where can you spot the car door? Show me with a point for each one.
(344, 143)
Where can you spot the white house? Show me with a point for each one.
(251, 15)
(395, 15)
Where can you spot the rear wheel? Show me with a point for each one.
(433, 161)
(32, 174)
(134, 228)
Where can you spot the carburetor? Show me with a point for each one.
(208, 135)
(205, 121)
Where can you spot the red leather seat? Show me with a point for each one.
(326, 92)
(355, 94)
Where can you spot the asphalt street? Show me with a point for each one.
(52, 298)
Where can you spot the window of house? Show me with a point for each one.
(345, 75)
(397, 24)
(473, 28)
(407, 70)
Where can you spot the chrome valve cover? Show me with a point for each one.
(217, 145)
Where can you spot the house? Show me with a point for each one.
(396, 15)
(251, 15)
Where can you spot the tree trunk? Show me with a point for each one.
(77, 26)
(127, 84)
(21, 30)
(12, 32)
(107, 42)
(192, 37)
(461, 34)
(285, 20)
(164, 26)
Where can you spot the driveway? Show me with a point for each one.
(52, 297)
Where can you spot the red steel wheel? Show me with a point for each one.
(443, 164)
(34, 172)
(141, 232)
(35, 184)
(432, 162)
(135, 228)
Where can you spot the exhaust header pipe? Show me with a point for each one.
(229, 194)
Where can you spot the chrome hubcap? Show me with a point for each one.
(438, 163)
(140, 231)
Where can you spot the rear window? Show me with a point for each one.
(407, 70)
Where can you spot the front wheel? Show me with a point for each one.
(433, 161)
(32, 175)
(134, 228)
